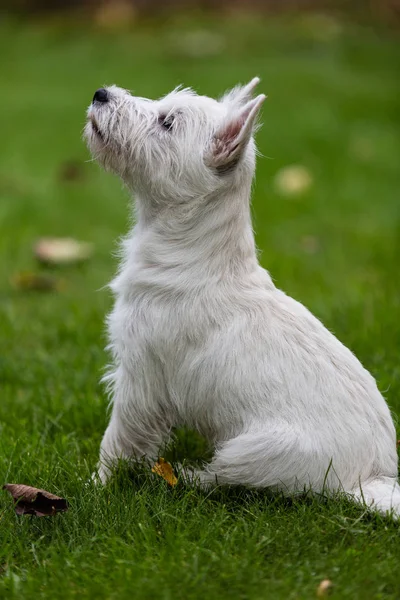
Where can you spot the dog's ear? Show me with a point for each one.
(241, 94)
(231, 139)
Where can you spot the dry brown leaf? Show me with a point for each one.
(324, 588)
(164, 470)
(62, 251)
(71, 170)
(33, 501)
(37, 282)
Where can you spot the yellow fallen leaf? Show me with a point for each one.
(164, 470)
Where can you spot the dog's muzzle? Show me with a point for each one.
(101, 95)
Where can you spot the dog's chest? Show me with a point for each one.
(150, 312)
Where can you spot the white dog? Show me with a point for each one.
(201, 337)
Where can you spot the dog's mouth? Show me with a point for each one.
(95, 127)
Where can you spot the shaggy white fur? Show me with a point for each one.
(201, 337)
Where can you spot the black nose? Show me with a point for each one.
(100, 95)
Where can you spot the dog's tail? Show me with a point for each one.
(381, 494)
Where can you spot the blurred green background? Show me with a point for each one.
(326, 211)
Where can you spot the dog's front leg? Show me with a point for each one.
(138, 427)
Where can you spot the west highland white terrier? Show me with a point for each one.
(199, 334)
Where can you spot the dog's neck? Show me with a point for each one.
(210, 234)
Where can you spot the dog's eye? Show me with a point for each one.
(166, 122)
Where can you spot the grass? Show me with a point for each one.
(333, 107)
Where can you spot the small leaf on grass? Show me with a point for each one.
(164, 470)
(33, 501)
(37, 282)
(324, 588)
(62, 251)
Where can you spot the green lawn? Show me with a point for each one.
(334, 108)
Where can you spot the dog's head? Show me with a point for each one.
(180, 147)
